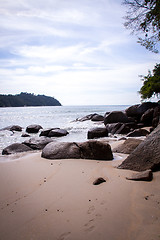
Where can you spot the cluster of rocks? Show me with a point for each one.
(144, 155)
(129, 122)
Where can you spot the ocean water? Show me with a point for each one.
(50, 117)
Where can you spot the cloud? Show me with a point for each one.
(77, 51)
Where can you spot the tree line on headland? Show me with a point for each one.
(27, 99)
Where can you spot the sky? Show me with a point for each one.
(77, 51)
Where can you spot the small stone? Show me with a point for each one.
(99, 181)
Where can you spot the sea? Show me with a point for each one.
(51, 117)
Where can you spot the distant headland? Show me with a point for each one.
(27, 99)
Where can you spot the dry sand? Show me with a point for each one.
(44, 199)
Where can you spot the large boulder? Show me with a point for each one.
(33, 128)
(86, 150)
(15, 148)
(139, 109)
(128, 146)
(115, 117)
(37, 143)
(97, 133)
(146, 155)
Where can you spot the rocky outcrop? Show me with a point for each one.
(146, 155)
(15, 148)
(142, 176)
(33, 128)
(37, 143)
(115, 117)
(97, 133)
(128, 146)
(86, 150)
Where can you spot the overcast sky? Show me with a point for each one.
(77, 51)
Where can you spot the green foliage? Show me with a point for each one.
(151, 84)
(27, 99)
(143, 17)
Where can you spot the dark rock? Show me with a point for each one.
(57, 133)
(138, 133)
(124, 129)
(37, 143)
(33, 128)
(12, 128)
(113, 127)
(45, 132)
(15, 148)
(128, 146)
(86, 150)
(146, 155)
(99, 181)
(115, 117)
(95, 150)
(97, 133)
(142, 176)
(147, 117)
(139, 109)
(86, 118)
(97, 118)
(156, 116)
(25, 135)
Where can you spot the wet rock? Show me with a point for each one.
(142, 176)
(15, 148)
(33, 128)
(97, 133)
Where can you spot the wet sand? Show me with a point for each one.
(44, 199)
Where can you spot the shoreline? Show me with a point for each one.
(56, 199)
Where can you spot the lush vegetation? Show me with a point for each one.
(143, 17)
(151, 84)
(27, 99)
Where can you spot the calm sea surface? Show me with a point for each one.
(48, 117)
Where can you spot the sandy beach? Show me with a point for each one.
(56, 200)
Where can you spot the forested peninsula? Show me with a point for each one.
(27, 99)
